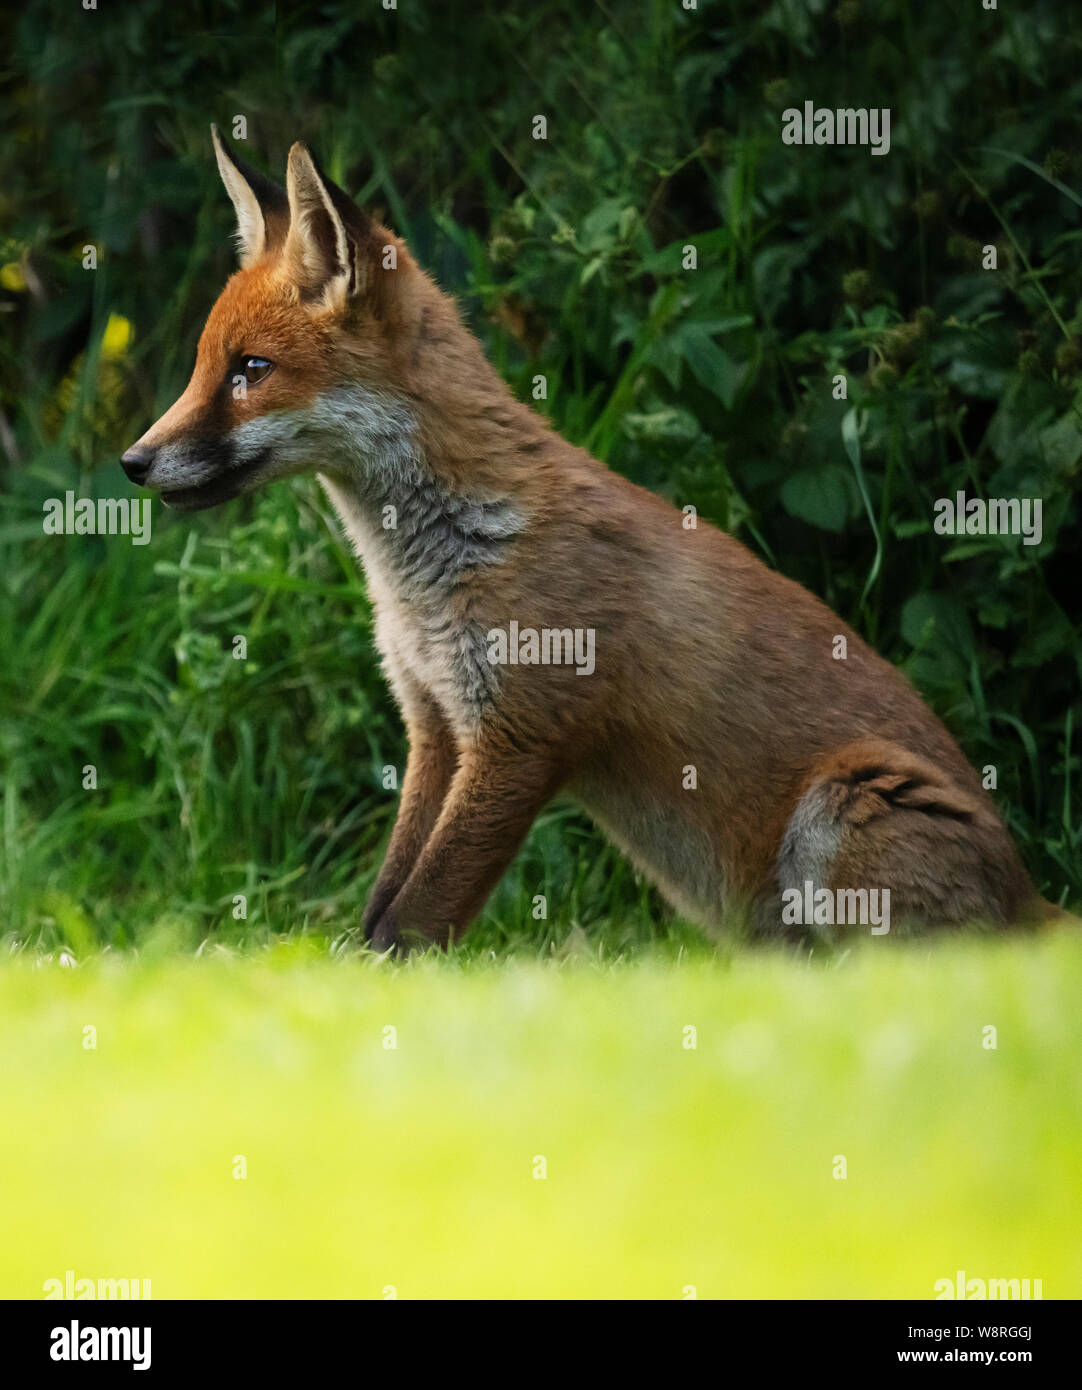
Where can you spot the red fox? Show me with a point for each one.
(548, 626)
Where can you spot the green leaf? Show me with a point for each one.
(1061, 444)
(937, 624)
(713, 368)
(824, 497)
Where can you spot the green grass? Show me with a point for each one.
(666, 1167)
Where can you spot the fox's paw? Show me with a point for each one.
(382, 934)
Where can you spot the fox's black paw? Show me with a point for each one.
(382, 935)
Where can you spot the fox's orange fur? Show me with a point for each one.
(718, 741)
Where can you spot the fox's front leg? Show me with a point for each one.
(493, 800)
(430, 766)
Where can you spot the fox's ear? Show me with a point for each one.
(323, 250)
(261, 206)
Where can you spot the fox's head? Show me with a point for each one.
(326, 301)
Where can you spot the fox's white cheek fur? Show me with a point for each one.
(417, 538)
(341, 431)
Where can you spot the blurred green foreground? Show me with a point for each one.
(544, 1129)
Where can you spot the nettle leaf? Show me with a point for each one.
(826, 497)
(711, 366)
(971, 299)
(879, 317)
(668, 260)
(1016, 427)
(600, 222)
(664, 354)
(1061, 444)
(773, 271)
(937, 626)
(1046, 642)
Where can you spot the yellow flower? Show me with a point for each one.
(117, 337)
(12, 277)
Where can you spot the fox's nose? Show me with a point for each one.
(136, 462)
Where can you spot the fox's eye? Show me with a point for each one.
(256, 368)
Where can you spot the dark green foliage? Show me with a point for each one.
(712, 386)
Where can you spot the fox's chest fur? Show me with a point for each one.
(423, 548)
